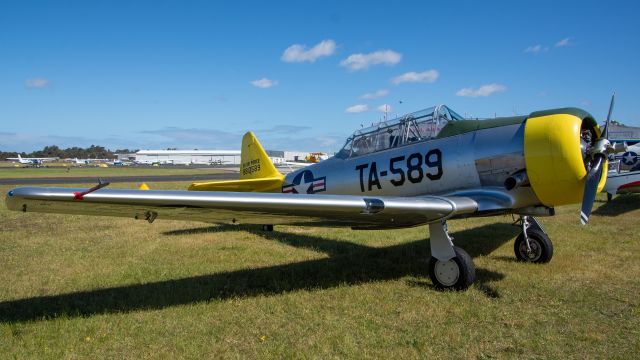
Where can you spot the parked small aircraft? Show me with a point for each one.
(629, 159)
(120, 163)
(422, 168)
(32, 161)
(624, 173)
(626, 182)
(86, 161)
(624, 170)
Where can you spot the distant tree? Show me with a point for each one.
(48, 151)
(92, 152)
(98, 152)
(74, 152)
(8, 154)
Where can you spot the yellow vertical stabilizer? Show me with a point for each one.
(257, 172)
(255, 164)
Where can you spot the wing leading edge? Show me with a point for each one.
(253, 208)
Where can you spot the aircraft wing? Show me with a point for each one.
(24, 158)
(365, 212)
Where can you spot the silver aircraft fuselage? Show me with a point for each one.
(447, 166)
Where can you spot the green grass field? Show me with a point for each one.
(60, 171)
(94, 287)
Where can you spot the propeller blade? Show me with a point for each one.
(591, 187)
(599, 154)
(605, 132)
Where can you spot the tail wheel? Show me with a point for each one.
(456, 273)
(541, 247)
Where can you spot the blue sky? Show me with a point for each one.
(302, 75)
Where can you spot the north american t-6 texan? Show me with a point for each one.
(422, 168)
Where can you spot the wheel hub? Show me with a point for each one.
(535, 252)
(447, 272)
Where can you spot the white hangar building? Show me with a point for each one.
(230, 157)
(202, 157)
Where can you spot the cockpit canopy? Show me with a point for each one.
(418, 126)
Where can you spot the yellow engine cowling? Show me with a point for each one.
(554, 159)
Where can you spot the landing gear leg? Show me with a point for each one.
(450, 267)
(533, 243)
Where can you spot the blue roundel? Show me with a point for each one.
(306, 183)
(629, 158)
(305, 177)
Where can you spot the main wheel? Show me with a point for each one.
(266, 227)
(541, 247)
(457, 273)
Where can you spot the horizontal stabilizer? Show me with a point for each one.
(249, 185)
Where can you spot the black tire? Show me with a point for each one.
(466, 271)
(266, 228)
(541, 247)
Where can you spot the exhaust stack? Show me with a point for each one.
(516, 180)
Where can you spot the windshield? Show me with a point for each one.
(421, 125)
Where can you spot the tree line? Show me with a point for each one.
(92, 152)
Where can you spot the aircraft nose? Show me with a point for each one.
(556, 150)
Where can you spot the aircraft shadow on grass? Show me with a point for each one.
(619, 205)
(347, 263)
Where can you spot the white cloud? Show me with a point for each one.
(37, 83)
(285, 129)
(482, 91)
(586, 102)
(563, 42)
(192, 138)
(328, 141)
(357, 108)
(362, 61)
(428, 76)
(264, 83)
(384, 108)
(533, 49)
(375, 95)
(299, 53)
